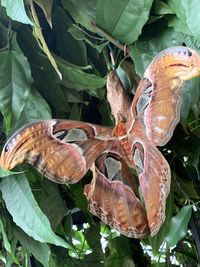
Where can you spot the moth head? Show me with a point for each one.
(178, 62)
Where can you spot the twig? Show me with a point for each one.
(89, 35)
(124, 48)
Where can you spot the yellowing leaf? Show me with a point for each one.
(40, 38)
(46, 6)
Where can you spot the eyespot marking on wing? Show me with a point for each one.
(113, 167)
(145, 98)
(72, 135)
(138, 157)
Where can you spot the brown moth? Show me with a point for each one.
(65, 150)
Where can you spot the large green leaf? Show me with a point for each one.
(178, 226)
(125, 23)
(178, 25)
(188, 14)
(45, 79)
(123, 20)
(52, 203)
(155, 39)
(35, 108)
(69, 48)
(16, 10)
(40, 251)
(39, 35)
(25, 211)
(74, 77)
(15, 83)
(82, 11)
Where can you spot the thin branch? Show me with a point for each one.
(89, 35)
(124, 48)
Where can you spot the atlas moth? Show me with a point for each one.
(64, 150)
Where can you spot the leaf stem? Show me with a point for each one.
(167, 255)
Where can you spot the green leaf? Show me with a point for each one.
(188, 13)
(82, 11)
(186, 102)
(125, 14)
(178, 25)
(73, 96)
(194, 92)
(195, 161)
(178, 226)
(51, 203)
(161, 8)
(80, 199)
(69, 48)
(41, 40)
(16, 10)
(74, 77)
(119, 253)
(159, 238)
(45, 79)
(80, 241)
(155, 39)
(127, 19)
(35, 108)
(75, 113)
(5, 238)
(68, 226)
(3, 35)
(4, 173)
(190, 99)
(78, 34)
(15, 83)
(107, 118)
(25, 211)
(40, 251)
(188, 186)
(93, 238)
(62, 259)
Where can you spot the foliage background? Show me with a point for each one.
(40, 41)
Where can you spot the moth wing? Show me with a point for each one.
(158, 99)
(112, 196)
(62, 150)
(154, 177)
